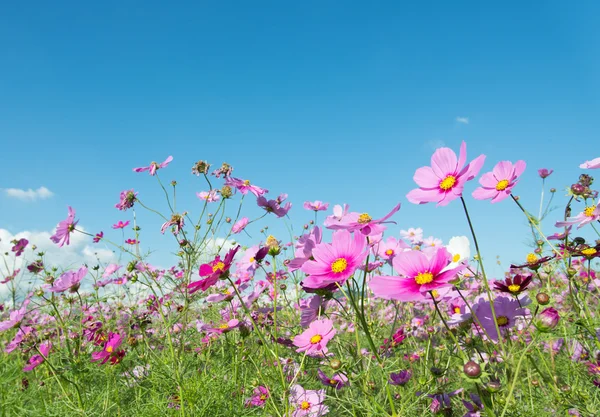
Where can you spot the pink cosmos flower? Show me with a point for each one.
(274, 206)
(390, 248)
(208, 196)
(154, 166)
(213, 271)
(316, 205)
(310, 309)
(335, 262)
(98, 237)
(259, 397)
(110, 350)
(304, 247)
(445, 180)
(20, 246)
(337, 381)
(507, 310)
(239, 225)
(314, 339)
(70, 280)
(593, 164)
(132, 241)
(339, 213)
(110, 269)
(15, 317)
(545, 173)
(251, 258)
(307, 403)
(419, 273)
(361, 221)
(126, 200)
(588, 215)
(244, 186)
(177, 222)
(36, 360)
(414, 236)
(120, 224)
(64, 229)
(499, 183)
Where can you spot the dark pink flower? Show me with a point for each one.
(126, 200)
(37, 360)
(98, 237)
(259, 397)
(154, 166)
(213, 271)
(445, 179)
(110, 350)
(337, 381)
(64, 229)
(545, 173)
(120, 224)
(132, 241)
(20, 246)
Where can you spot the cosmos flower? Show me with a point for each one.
(316, 205)
(310, 309)
(445, 179)
(545, 173)
(20, 246)
(154, 166)
(514, 286)
(208, 196)
(132, 241)
(70, 280)
(177, 222)
(110, 350)
(588, 215)
(593, 164)
(337, 381)
(414, 236)
(259, 397)
(307, 403)
(98, 237)
(120, 224)
(239, 225)
(15, 317)
(335, 262)
(243, 186)
(304, 247)
(400, 378)
(213, 271)
(274, 206)
(419, 273)
(499, 183)
(507, 311)
(126, 200)
(390, 248)
(314, 339)
(64, 229)
(37, 359)
(362, 222)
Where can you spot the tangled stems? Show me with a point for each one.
(515, 378)
(485, 281)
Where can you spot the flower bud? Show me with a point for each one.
(577, 189)
(472, 369)
(542, 298)
(335, 364)
(547, 320)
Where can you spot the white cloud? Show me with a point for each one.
(464, 120)
(432, 145)
(41, 193)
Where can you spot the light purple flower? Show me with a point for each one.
(316, 205)
(154, 166)
(15, 317)
(239, 225)
(70, 280)
(545, 173)
(307, 403)
(64, 229)
(274, 206)
(126, 200)
(208, 196)
(593, 164)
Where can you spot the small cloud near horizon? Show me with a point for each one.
(41, 193)
(463, 120)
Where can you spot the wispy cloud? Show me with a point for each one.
(41, 193)
(433, 144)
(463, 120)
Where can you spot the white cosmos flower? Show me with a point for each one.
(460, 248)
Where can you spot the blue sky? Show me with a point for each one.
(339, 101)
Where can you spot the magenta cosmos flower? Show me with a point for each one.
(126, 200)
(593, 164)
(259, 397)
(307, 403)
(335, 262)
(154, 166)
(588, 215)
(360, 221)
(545, 173)
(121, 224)
(499, 183)
(70, 280)
(64, 229)
(213, 271)
(445, 179)
(110, 350)
(316, 205)
(243, 186)
(314, 339)
(419, 272)
(37, 360)
(19, 246)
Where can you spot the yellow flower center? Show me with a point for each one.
(219, 266)
(502, 320)
(364, 218)
(448, 182)
(589, 251)
(224, 326)
(246, 182)
(109, 349)
(456, 258)
(424, 278)
(457, 310)
(339, 265)
(501, 186)
(316, 339)
(389, 252)
(251, 259)
(589, 210)
(531, 258)
(262, 397)
(304, 405)
(514, 288)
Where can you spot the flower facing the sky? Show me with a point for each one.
(362, 222)
(154, 166)
(307, 403)
(593, 164)
(70, 280)
(335, 262)
(15, 317)
(314, 339)
(209, 196)
(213, 271)
(64, 229)
(499, 183)
(316, 205)
(275, 206)
(445, 179)
(414, 236)
(390, 248)
(419, 273)
(545, 173)
(514, 286)
(588, 215)
(120, 224)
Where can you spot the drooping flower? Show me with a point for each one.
(307, 403)
(361, 221)
(593, 164)
(208, 196)
(19, 246)
(259, 397)
(225, 170)
(176, 222)
(507, 311)
(35, 267)
(498, 183)
(274, 206)
(64, 229)
(110, 350)
(545, 173)
(588, 215)
(337, 381)
(200, 167)
(70, 280)
(310, 309)
(419, 273)
(335, 262)
(445, 179)
(474, 407)
(243, 186)
(314, 339)
(154, 166)
(316, 205)
(239, 225)
(213, 271)
(120, 224)
(37, 359)
(126, 200)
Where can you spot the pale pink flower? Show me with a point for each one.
(154, 166)
(499, 183)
